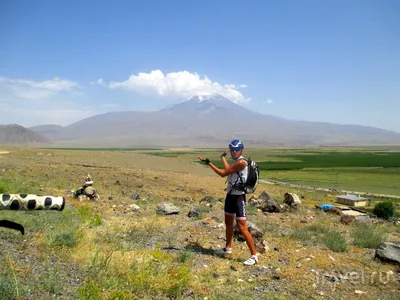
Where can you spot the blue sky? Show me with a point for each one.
(334, 61)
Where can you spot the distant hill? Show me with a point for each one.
(18, 135)
(209, 121)
(50, 131)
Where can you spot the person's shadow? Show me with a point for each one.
(195, 247)
(192, 247)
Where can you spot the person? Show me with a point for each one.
(235, 200)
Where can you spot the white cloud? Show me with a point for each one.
(100, 81)
(269, 101)
(28, 102)
(29, 89)
(179, 84)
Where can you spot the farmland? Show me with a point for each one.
(365, 170)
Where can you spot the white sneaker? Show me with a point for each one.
(224, 251)
(251, 261)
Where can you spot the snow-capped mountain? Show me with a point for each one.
(212, 120)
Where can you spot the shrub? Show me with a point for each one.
(368, 235)
(67, 239)
(384, 210)
(119, 295)
(308, 234)
(7, 290)
(95, 220)
(160, 277)
(90, 291)
(335, 241)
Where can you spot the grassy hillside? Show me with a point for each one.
(104, 250)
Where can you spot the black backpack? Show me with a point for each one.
(253, 174)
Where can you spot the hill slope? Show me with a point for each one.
(18, 135)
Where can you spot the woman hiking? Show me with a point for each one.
(235, 200)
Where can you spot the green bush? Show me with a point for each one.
(67, 239)
(90, 291)
(7, 289)
(368, 235)
(335, 241)
(384, 210)
(309, 234)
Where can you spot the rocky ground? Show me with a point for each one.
(131, 187)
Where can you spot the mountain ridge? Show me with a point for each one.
(15, 135)
(211, 120)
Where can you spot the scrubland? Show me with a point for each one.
(104, 250)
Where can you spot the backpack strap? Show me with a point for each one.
(240, 177)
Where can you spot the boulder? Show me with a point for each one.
(270, 206)
(194, 212)
(89, 191)
(262, 247)
(255, 232)
(389, 252)
(346, 219)
(292, 200)
(264, 196)
(167, 209)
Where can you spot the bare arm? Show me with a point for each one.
(235, 167)
(223, 159)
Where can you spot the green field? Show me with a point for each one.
(363, 170)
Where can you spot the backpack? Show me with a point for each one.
(253, 174)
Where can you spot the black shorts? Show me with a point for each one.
(235, 205)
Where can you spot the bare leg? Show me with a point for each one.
(229, 230)
(247, 236)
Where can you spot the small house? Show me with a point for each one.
(352, 200)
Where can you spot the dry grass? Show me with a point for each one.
(123, 254)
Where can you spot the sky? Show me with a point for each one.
(335, 61)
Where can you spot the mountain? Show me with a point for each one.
(51, 131)
(18, 135)
(209, 121)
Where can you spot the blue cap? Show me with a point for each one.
(236, 145)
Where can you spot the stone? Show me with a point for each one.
(262, 247)
(292, 200)
(271, 206)
(194, 212)
(134, 207)
(135, 196)
(89, 191)
(389, 252)
(167, 209)
(346, 219)
(255, 232)
(264, 196)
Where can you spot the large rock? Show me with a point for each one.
(167, 209)
(271, 206)
(264, 196)
(388, 252)
(89, 191)
(255, 232)
(292, 200)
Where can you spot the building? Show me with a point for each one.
(352, 200)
